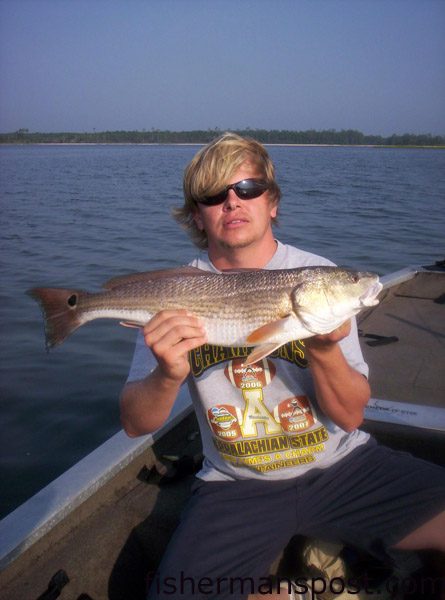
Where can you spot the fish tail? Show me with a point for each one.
(60, 311)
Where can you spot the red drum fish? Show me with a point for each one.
(263, 309)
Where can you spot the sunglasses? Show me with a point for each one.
(247, 189)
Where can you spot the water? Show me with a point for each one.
(77, 215)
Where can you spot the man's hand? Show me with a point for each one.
(146, 403)
(171, 334)
(327, 339)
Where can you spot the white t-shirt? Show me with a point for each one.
(261, 421)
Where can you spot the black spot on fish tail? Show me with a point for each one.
(72, 300)
(60, 311)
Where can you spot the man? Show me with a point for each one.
(283, 454)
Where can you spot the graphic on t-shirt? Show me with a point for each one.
(207, 355)
(252, 435)
(257, 375)
(224, 421)
(295, 414)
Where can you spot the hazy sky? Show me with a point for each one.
(79, 65)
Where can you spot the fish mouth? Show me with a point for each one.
(369, 298)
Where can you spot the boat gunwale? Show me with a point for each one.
(37, 516)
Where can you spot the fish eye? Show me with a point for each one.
(355, 278)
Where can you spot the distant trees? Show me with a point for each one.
(345, 137)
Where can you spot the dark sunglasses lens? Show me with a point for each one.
(217, 199)
(246, 190)
(249, 189)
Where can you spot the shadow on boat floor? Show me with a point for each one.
(141, 554)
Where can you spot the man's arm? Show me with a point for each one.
(145, 404)
(342, 392)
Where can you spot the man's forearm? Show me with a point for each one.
(342, 392)
(146, 404)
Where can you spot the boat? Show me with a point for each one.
(99, 530)
(403, 341)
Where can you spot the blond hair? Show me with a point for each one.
(211, 168)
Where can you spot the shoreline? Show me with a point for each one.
(290, 145)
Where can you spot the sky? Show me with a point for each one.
(377, 66)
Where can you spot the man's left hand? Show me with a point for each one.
(327, 339)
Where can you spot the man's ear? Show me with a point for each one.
(198, 221)
(273, 210)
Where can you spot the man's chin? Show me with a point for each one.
(234, 244)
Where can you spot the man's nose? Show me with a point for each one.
(232, 200)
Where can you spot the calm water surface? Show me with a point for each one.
(74, 216)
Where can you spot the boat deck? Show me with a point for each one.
(112, 540)
(403, 341)
(414, 313)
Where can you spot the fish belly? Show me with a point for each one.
(137, 317)
(236, 332)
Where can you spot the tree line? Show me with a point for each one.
(345, 137)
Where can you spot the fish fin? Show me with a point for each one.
(60, 311)
(264, 333)
(130, 324)
(261, 352)
(153, 276)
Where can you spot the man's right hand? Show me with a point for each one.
(146, 403)
(170, 335)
